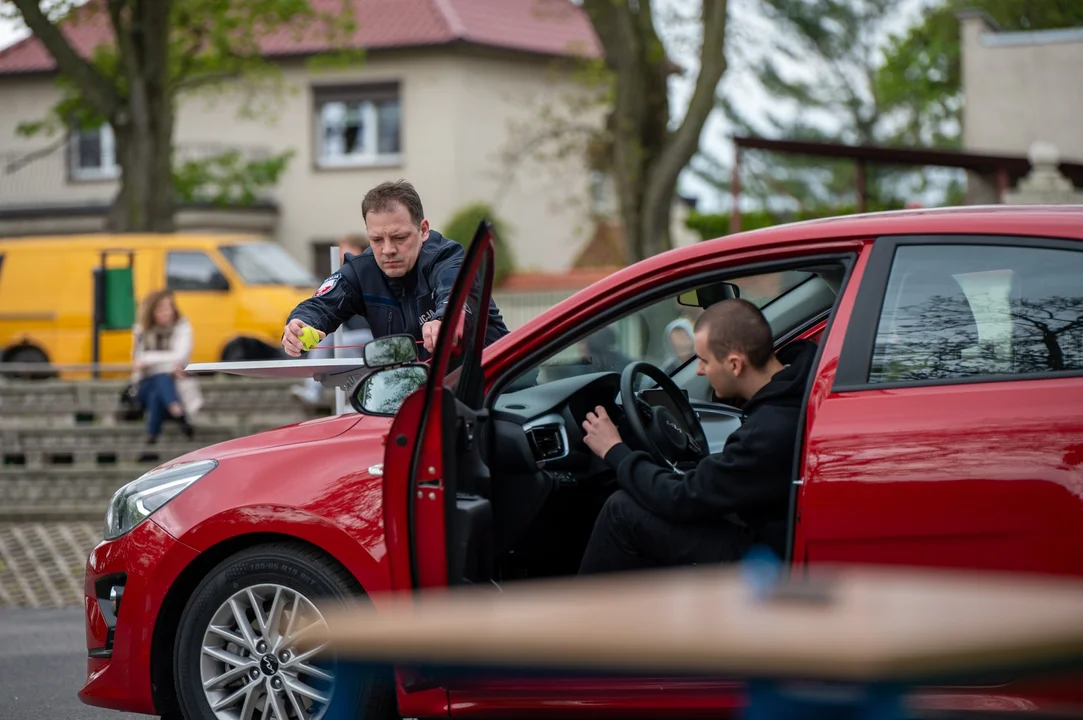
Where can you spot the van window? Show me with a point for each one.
(267, 263)
(193, 270)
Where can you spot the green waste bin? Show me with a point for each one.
(119, 292)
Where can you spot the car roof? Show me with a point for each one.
(1061, 221)
(1053, 221)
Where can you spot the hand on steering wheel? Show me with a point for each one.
(668, 439)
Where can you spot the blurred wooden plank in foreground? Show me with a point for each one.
(851, 624)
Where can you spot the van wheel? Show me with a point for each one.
(25, 355)
(248, 349)
(235, 648)
(234, 351)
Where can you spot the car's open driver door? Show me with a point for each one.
(434, 520)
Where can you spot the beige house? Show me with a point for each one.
(443, 95)
(1019, 88)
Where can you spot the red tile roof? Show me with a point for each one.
(548, 27)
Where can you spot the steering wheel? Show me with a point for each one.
(655, 428)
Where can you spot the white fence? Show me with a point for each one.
(518, 308)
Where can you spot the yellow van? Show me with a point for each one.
(235, 290)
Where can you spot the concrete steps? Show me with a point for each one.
(75, 404)
(64, 450)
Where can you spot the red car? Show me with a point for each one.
(943, 427)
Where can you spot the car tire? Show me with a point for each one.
(246, 349)
(27, 354)
(286, 581)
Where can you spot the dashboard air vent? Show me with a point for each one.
(547, 442)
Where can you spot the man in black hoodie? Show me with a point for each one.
(731, 500)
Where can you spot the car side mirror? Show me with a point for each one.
(389, 350)
(384, 391)
(708, 295)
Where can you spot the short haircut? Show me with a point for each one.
(355, 241)
(737, 326)
(385, 196)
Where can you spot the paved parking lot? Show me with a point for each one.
(42, 637)
(42, 563)
(43, 665)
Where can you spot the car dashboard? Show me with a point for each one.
(541, 426)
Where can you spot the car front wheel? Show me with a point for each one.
(237, 655)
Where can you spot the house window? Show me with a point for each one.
(93, 153)
(321, 257)
(357, 126)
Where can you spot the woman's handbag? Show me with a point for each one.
(130, 407)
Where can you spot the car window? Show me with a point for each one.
(661, 333)
(190, 270)
(765, 288)
(961, 311)
(805, 296)
(267, 263)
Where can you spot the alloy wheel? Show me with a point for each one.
(250, 665)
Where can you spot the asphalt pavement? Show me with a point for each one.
(43, 665)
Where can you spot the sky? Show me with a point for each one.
(682, 42)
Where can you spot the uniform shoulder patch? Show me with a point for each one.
(328, 285)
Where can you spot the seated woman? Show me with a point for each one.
(161, 349)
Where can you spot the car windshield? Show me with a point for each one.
(660, 333)
(267, 263)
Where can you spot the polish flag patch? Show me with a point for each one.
(328, 285)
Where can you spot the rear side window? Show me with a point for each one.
(961, 311)
(191, 270)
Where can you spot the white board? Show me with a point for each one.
(330, 372)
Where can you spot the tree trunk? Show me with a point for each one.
(648, 156)
(144, 125)
(144, 200)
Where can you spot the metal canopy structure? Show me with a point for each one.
(1004, 170)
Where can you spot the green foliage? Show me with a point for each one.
(830, 98)
(212, 45)
(214, 40)
(855, 88)
(714, 225)
(227, 179)
(464, 223)
(919, 80)
(73, 110)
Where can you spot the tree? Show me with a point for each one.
(827, 93)
(464, 222)
(919, 81)
(161, 49)
(648, 153)
(619, 120)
